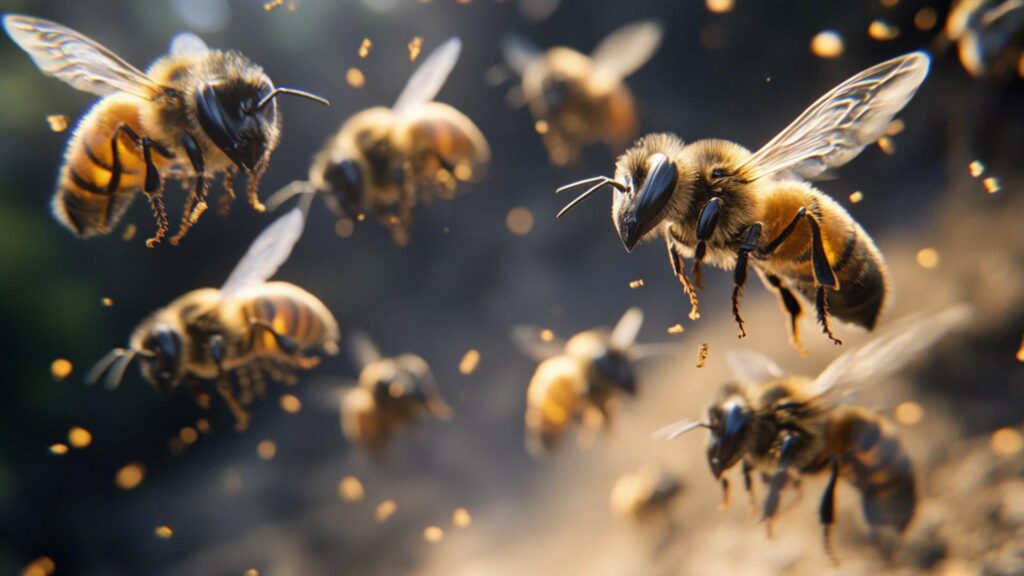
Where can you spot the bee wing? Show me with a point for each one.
(268, 252)
(363, 349)
(76, 59)
(529, 342)
(627, 328)
(677, 429)
(843, 122)
(887, 353)
(751, 368)
(627, 49)
(188, 43)
(519, 53)
(427, 80)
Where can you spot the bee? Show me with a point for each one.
(786, 426)
(193, 114)
(989, 35)
(246, 327)
(583, 99)
(580, 378)
(384, 161)
(390, 394)
(644, 494)
(714, 200)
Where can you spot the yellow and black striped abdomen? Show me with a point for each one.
(291, 312)
(84, 201)
(873, 459)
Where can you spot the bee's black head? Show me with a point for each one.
(233, 117)
(162, 361)
(729, 422)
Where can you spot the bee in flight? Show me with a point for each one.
(247, 327)
(384, 161)
(193, 114)
(989, 35)
(714, 200)
(581, 99)
(391, 393)
(580, 378)
(786, 426)
(646, 493)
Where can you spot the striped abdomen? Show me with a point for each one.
(873, 459)
(291, 312)
(437, 132)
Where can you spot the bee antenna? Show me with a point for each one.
(287, 193)
(677, 429)
(601, 183)
(118, 368)
(294, 92)
(101, 367)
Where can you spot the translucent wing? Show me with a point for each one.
(363, 349)
(626, 330)
(842, 122)
(188, 43)
(427, 80)
(888, 352)
(81, 62)
(626, 50)
(529, 342)
(519, 53)
(268, 252)
(751, 368)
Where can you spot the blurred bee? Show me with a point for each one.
(787, 426)
(580, 378)
(583, 99)
(389, 395)
(714, 200)
(384, 161)
(646, 493)
(193, 114)
(247, 327)
(989, 36)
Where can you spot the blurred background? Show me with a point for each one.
(232, 502)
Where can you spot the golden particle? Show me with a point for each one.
(719, 6)
(344, 227)
(203, 425)
(107, 302)
(385, 510)
(895, 127)
(79, 437)
(928, 258)
(252, 572)
(470, 360)
(164, 532)
(519, 221)
(272, 5)
(433, 534)
(364, 48)
(546, 335)
(188, 435)
(992, 184)
(58, 122)
(541, 126)
(354, 77)
(702, 355)
(351, 489)
(461, 518)
(266, 449)
(889, 3)
(887, 146)
(926, 19)
(58, 449)
(856, 197)
(130, 476)
(290, 403)
(463, 172)
(976, 168)
(636, 283)
(61, 369)
(129, 232)
(883, 31)
(675, 329)
(1020, 351)
(827, 44)
(42, 566)
(415, 45)
(909, 413)
(1007, 442)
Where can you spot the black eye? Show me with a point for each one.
(718, 173)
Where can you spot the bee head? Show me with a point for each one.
(344, 183)
(729, 423)
(162, 357)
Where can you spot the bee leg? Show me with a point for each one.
(787, 454)
(678, 268)
(224, 203)
(198, 394)
(706, 224)
(245, 393)
(750, 239)
(195, 205)
(725, 494)
(241, 416)
(153, 186)
(259, 381)
(827, 511)
(748, 483)
(289, 347)
(792, 307)
(252, 189)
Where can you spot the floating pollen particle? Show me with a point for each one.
(719, 6)
(355, 78)
(883, 31)
(163, 532)
(909, 413)
(827, 44)
(266, 449)
(290, 403)
(415, 45)
(272, 5)
(130, 476)
(433, 534)
(58, 449)
(79, 437)
(546, 335)
(365, 47)
(1007, 442)
(856, 197)
(385, 510)
(928, 258)
(351, 489)
(541, 126)
(470, 360)
(976, 168)
(58, 122)
(926, 19)
(702, 355)
(519, 221)
(61, 368)
(636, 283)
(992, 184)
(461, 518)
(676, 329)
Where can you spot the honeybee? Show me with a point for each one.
(390, 394)
(246, 327)
(193, 114)
(645, 493)
(989, 36)
(578, 99)
(580, 378)
(786, 426)
(384, 161)
(714, 200)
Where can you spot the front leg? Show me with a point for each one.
(750, 239)
(153, 186)
(195, 205)
(678, 268)
(792, 306)
(787, 454)
(827, 511)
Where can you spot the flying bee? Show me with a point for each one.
(786, 426)
(580, 378)
(989, 35)
(193, 114)
(390, 394)
(384, 161)
(645, 493)
(581, 99)
(714, 200)
(247, 327)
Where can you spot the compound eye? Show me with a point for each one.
(718, 173)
